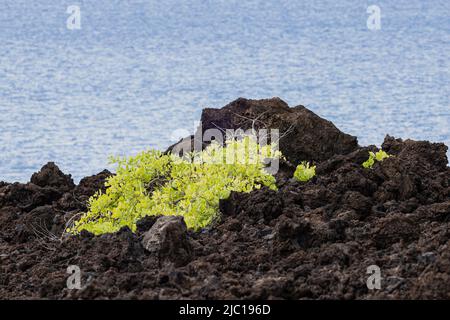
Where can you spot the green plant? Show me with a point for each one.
(379, 156)
(304, 172)
(153, 183)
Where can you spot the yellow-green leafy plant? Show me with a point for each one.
(304, 172)
(378, 156)
(153, 183)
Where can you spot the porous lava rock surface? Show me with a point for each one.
(312, 240)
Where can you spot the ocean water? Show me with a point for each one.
(138, 73)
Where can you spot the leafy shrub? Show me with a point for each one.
(153, 183)
(379, 156)
(304, 172)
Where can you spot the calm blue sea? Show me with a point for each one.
(139, 70)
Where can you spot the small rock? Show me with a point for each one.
(394, 229)
(269, 286)
(427, 257)
(358, 202)
(51, 176)
(234, 225)
(167, 239)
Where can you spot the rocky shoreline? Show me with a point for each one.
(311, 240)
